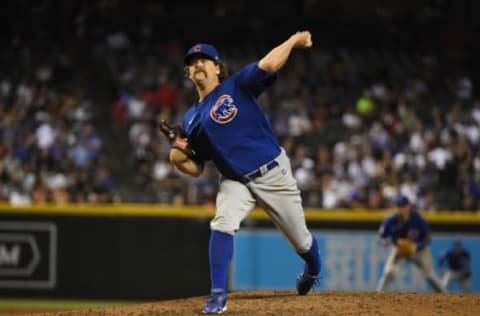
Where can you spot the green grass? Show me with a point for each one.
(49, 304)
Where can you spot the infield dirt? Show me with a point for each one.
(316, 303)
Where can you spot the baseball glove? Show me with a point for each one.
(406, 247)
(465, 274)
(177, 138)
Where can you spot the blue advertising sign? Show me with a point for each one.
(352, 261)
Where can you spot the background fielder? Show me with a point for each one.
(228, 127)
(409, 234)
(457, 260)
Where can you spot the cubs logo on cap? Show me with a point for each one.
(223, 111)
(206, 50)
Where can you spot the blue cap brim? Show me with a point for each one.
(187, 58)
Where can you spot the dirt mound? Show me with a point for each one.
(317, 303)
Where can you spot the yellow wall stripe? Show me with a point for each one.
(184, 211)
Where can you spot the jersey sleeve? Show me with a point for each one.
(255, 80)
(194, 143)
(467, 259)
(425, 227)
(383, 231)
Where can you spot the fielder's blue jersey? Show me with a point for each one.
(229, 127)
(456, 261)
(415, 229)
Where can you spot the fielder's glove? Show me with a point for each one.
(406, 247)
(177, 138)
(465, 274)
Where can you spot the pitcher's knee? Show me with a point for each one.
(222, 225)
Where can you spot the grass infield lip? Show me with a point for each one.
(23, 303)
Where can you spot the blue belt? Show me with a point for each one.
(259, 172)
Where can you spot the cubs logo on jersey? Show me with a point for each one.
(413, 234)
(223, 111)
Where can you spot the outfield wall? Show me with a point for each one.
(352, 260)
(158, 251)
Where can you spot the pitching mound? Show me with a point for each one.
(317, 303)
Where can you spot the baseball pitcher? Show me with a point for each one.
(228, 127)
(409, 234)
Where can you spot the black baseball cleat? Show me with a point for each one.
(305, 282)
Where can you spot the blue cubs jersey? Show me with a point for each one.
(456, 261)
(415, 229)
(229, 127)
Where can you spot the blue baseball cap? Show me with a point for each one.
(401, 200)
(206, 50)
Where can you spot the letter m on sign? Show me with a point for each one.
(10, 257)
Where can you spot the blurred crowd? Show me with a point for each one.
(361, 117)
(50, 151)
(359, 125)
